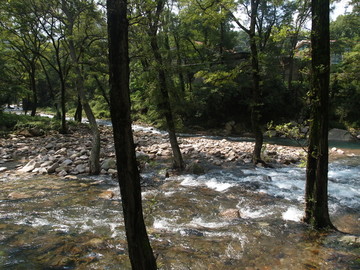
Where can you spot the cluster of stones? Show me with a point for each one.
(69, 154)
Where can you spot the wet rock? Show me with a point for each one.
(350, 239)
(195, 168)
(191, 232)
(62, 173)
(108, 194)
(18, 195)
(3, 169)
(70, 177)
(96, 243)
(336, 134)
(231, 213)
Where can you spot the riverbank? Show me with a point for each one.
(28, 151)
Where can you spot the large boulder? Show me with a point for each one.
(336, 134)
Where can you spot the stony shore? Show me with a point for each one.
(67, 155)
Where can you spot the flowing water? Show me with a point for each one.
(48, 222)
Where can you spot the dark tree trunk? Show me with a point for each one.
(78, 112)
(140, 251)
(164, 104)
(165, 107)
(256, 94)
(103, 92)
(33, 90)
(316, 192)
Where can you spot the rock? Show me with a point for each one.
(50, 146)
(336, 134)
(109, 163)
(53, 167)
(70, 177)
(61, 151)
(36, 132)
(62, 173)
(112, 171)
(350, 239)
(108, 194)
(18, 195)
(191, 232)
(81, 168)
(31, 165)
(3, 169)
(66, 162)
(195, 168)
(231, 213)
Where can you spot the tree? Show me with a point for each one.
(316, 191)
(72, 16)
(26, 40)
(140, 251)
(164, 104)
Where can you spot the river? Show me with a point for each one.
(49, 222)
(55, 223)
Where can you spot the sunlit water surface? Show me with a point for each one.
(52, 223)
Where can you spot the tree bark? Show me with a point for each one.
(256, 94)
(94, 159)
(78, 112)
(316, 191)
(164, 104)
(140, 251)
(33, 89)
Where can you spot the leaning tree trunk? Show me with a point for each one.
(165, 107)
(316, 191)
(94, 160)
(140, 251)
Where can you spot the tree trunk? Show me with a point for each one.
(316, 191)
(94, 160)
(33, 89)
(256, 95)
(78, 112)
(164, 104)
(165, 107)
(140, 251)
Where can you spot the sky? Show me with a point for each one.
(340, 9)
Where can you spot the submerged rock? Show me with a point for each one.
(231, 213)
(108, 194)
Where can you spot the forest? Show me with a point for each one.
(202, 48)
(192, 92)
